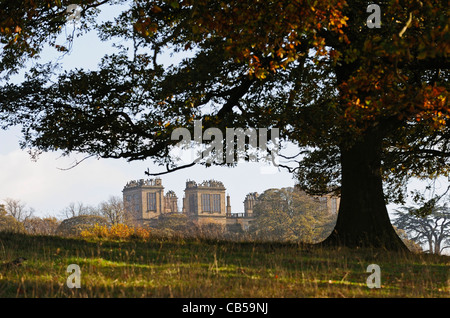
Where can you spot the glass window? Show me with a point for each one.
(206, 203)
(216, 203)
(151, 202)
(193, 203)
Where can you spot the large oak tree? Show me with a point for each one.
(367, 106)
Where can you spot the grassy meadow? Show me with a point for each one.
(208, 268)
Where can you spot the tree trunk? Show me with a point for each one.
(363, 219)
(437, 247)
(430, 247)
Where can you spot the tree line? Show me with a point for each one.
(283, 215)
(16, 216)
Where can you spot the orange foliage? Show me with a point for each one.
(116, 232)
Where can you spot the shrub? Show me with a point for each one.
(116, 232)
(77, 224)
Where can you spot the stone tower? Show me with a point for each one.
(205, 202)
(170, 202)
(249, 203)
(144, 201)
(228, 205)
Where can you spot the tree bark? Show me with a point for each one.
(363, 219)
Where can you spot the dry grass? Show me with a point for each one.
(202, 268)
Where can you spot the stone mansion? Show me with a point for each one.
(203, 203)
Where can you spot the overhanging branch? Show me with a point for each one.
(169, 170)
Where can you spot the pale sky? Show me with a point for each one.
(48, 189)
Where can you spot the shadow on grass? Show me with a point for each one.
(212, 268)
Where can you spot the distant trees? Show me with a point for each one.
(16, 216)
(77, 209)
(113, 210)
(290, 214)
(8, 223)
(77, 224)
(43, 226)
(286, 214)
(432, 230)
(18, 209)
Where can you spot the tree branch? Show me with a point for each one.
(169, 170)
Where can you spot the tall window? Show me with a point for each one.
(193, 203)
(216, 203)
(151, 204)
(206, 203)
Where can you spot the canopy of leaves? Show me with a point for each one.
(27, 26)
(311, 68)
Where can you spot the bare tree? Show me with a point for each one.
(44, 226)
(432, 230)
(113, 210)
(77, 209)
(18, 209)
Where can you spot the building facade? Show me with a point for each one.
(203, 203)
(329, 203)
(244, 219)
(145, 202)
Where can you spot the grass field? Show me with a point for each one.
(202, 268)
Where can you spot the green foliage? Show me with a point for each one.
(410, 244)
(290, 215)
